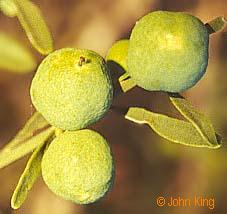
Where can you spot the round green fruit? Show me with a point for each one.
(118, 53)
(72, 88)
(168, 51)
(78, 166)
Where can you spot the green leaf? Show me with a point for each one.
(174, 130)
(15, 57)
(126, 82)
(31, 173)
(216, 24)
(34, 25)
(8, 8)
(34, 124)
(18, 151)
(198, 119)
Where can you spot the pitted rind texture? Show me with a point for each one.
(118, 53)
(72, 96)
(168, 51)
(78, 166)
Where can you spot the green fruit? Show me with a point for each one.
(78, 166)
(8, 7)
(118, 53)
(168, 51)
(72, 88)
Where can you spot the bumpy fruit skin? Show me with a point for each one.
(168, 51)
(118, 53)
(78, 166)
(72, 88)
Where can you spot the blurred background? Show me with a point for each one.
(147, 166)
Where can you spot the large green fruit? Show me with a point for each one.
(72, 88)
(168, 51)
(78, 166)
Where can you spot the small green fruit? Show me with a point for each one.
(72, 88)
(78, 166)
(8, 7)
(168, 51)
(118, 53)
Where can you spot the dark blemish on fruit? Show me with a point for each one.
(82, 61)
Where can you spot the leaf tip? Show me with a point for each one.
(136, 115)
(217, 24)
(14, 204)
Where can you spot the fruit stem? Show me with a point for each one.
(58, 131)
(82, 61)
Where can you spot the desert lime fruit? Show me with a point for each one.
(118, 53)
(72, 88)
(78, 166)
(168, 51)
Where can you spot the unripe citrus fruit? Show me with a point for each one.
(118, 53)
(168, 51)
(78, 166)
(72, 88)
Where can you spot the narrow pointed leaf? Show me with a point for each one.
(177, 131)
(197, 118)
(35, 123)
(8, 8)
(126, 82)
(10, 155)
(14, 56)
(31, 173)
(34, 25)
(216, 24)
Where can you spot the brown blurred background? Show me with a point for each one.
(147, 166)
